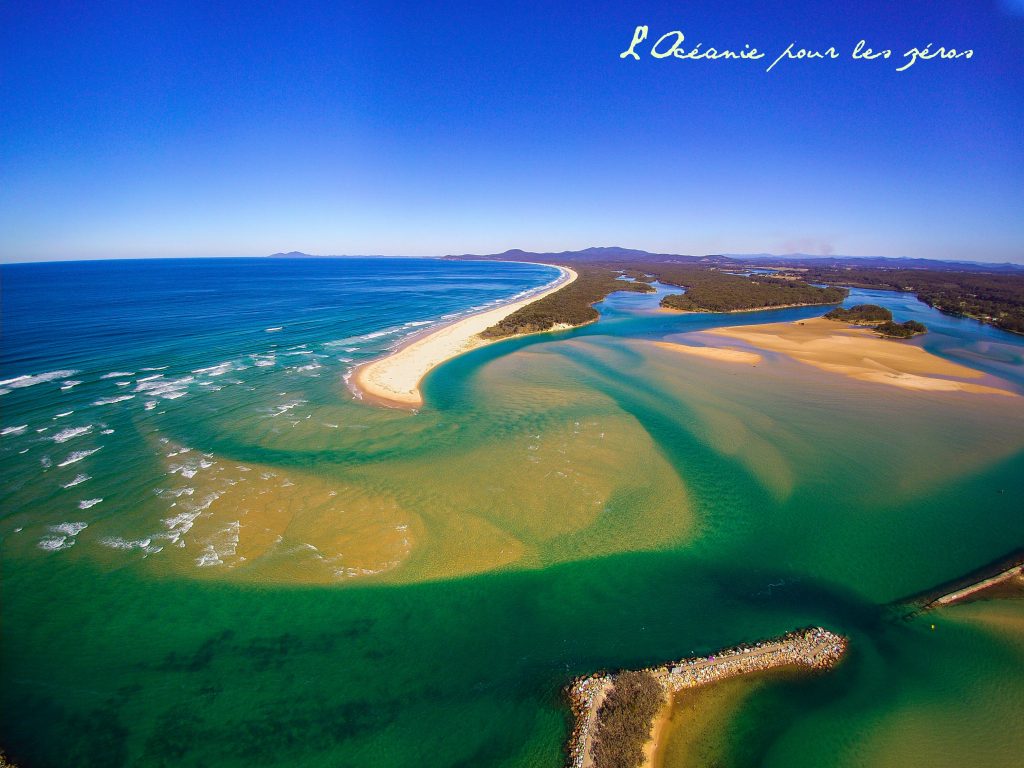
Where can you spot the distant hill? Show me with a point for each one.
(595, 254)
(605, 254)
(880, 262)
(735, 260)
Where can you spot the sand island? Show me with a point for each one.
(860, 354)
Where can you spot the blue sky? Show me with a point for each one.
(420, 128)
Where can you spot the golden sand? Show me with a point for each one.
(723, 354)
(860, 354)
(395, 378)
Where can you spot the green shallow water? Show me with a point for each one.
(632, 507)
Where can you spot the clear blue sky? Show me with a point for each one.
(417, 128)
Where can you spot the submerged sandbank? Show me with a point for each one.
(395, 378)
(813, 648)
(723, 354)
(860, 354)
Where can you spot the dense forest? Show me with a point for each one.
(624, 720)
(572, 305)
(994, 298)
(707, 290)
(880, 318)
(711, 290)
(861, 313)
(901, 330)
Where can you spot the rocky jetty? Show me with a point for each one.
(813, 648)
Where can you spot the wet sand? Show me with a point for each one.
(394, 379)
(860, 354)
(722, 354)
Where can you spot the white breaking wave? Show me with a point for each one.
(13, 430)
(65, 385)
(116, 374)
(276, 328)
(70, 432)
(116, 542)
(79, 479)
(62, 415)
(215, 370)
(77, 456)
(168, 389)
(19, 382)
(69, 529)
(86, 503)
(111, 400)
(56, 543)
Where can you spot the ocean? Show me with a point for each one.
(214, 554)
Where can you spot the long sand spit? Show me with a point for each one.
(813, 648)
(860, 354)
(395, 379)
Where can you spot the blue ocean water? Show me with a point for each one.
(94, 317)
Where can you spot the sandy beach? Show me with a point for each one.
(860, 354)
(394, 379)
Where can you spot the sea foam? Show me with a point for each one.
(19, 382)
(77, 456)
(71, 432)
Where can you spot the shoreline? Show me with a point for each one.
(740, 311)
(814, 648)
(394, 379)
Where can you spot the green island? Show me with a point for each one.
(878, 317)
(993, 298)
(862, 314)
(902, 330)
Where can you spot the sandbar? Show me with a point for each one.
(860, 354)
(394, 379)
(723, 354)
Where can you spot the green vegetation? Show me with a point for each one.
(709, 290)
(996, 299)
(861, 313)
(625, 718)
(572, 305)
(901, 330)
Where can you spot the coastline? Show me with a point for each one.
(740, 311)
(394, 380)
(814, 648)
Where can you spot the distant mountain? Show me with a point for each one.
(733, 260)
(881, 262)
(604, 253)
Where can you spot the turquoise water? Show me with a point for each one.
(573, 501)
